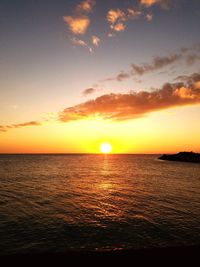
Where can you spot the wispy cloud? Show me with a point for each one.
(149, 17)
(76, 41)
(189, 79)
(189, 55)
(162, 3)
(13, 126)
(86, 6)
(119, 77)
(111, 35)
(133, 13)
(3, 128)
(89, 91)
(135, 104)
(122, 76)
(148, 2)
(80, 42)
(192, 58)
(95, 40)
(119, 27)
(157, 64)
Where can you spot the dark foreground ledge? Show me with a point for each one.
(164, 255)
(182, 156)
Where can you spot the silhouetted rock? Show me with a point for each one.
(182, 156)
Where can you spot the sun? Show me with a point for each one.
(106, 148)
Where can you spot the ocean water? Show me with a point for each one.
(61, 203)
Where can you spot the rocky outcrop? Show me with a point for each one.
(182, 156)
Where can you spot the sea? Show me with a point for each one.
(53, 203)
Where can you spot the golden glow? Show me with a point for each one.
(106, 148)
(151, 134)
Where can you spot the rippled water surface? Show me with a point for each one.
(57, 203)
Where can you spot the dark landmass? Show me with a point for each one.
(182, 156)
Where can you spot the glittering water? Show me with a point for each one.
(57, 203)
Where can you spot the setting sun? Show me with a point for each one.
(106, 148)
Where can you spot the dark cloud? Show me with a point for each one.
(89, 91)
(2, 128)
(157, 64)
(189, 55)
(189, 79)
(134, 104)
(122, 76)
(119, 77)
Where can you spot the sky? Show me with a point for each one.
(74, 74)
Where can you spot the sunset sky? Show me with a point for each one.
(75, 74)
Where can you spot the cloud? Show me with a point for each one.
(89, 91)
(192, 58)
(115, 15)
(119, 77)
(111, 34)
(189, 79)
(134, 104)
(118, 18)
(133, 13)
(119, 27)
(149, 17)
(77, 25)
(122, 76)
(30, 123)
(80, 42)
(157, 63)
(3, 128)
(197, 85)
(95, 40)
(163, 3)
(86, 6)
(148, 2)
(13, 126)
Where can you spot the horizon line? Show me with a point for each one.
(84, 153)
